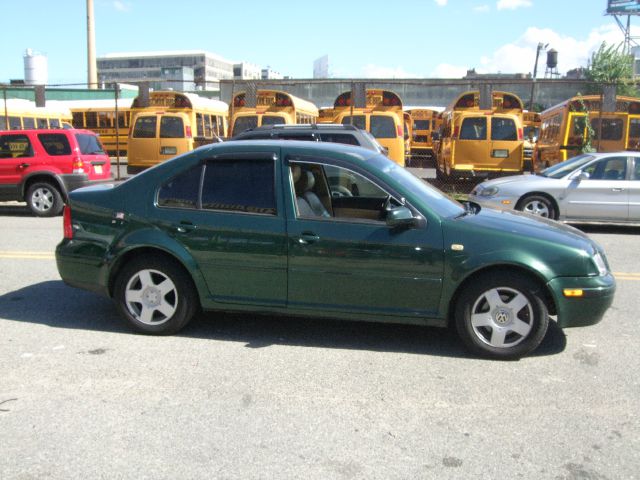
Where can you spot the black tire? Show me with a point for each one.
(538, 205)
(487, 320)
(155, 295)
(44, 199)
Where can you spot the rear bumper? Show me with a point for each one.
(80, 268)
(598, 293)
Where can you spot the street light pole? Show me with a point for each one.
(535, 73)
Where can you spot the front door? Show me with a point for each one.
(344, 258)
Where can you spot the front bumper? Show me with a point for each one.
(598, 293)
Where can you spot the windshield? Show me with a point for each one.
(565, 168)
(434, 198)
(374, 141)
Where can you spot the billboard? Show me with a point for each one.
(623, 7)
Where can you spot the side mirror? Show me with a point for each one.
(400, 216)
(582, 176)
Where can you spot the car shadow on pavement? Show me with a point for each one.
(13, 209)
(57, 305)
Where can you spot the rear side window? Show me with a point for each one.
(473, 128)
(307, 137)
(240, 186)
(145, 127)
(339, 138)
(182, 190)
(55, 143)
(13, 146)
(171, 127)
(503, 129)
(382, 127)
(89, 144)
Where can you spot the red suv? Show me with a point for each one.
(41, 166)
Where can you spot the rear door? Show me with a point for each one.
(608, 134)
(471, 148)
(634, 190)
(506, 149)
(144, 142)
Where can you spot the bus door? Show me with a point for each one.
(506, 147)
(608, 133)
(633, 133)
(470, 148)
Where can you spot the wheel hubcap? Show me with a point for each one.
(537, 208)
(502, 317)
(151, 297)
(42, 199)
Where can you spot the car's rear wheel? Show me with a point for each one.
(502, 315)
(538, 205)
(44, 199)
(155, 295)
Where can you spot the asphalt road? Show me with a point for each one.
(245, 397)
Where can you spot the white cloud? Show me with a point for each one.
(481, 8)
(121, 6)
(512, 4)
(441, 3)
(377, 71)
(519, 56)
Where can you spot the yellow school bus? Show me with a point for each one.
(21, 114)
(272, 107)
(172, 123)
(99, 116)
(564, 132)
(531, 132)
(478, 142)
(425, 123)
(382, 116)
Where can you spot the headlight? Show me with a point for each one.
(488, 191)
(600, 264)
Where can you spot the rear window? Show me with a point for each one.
(244, 123)
(339, 138)
(55, 143)
(89, 144)
(272, 120)
(474, 128)
(382, 127)
(171, 127)
(611, 128)
(503, 129)
(145, 127)
(421, 124)
(359, 121)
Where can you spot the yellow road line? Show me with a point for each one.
(17, 255)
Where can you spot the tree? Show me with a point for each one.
(611, 65)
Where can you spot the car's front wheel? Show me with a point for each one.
(538, 205)
(44, 199)
(155, 295)
(502, 315)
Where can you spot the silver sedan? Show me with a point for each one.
(589, 188)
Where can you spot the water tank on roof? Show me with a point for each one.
(552, 59)
(36, 71)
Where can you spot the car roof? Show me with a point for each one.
(47, 130)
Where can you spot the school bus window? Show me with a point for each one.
(91, 120)
(245, 123)
(28, 123)
(54, 123)
(122, 120)
(199, 125)
(421, 124)
(171, 127)
(503, 129)
(77, 120)
(42, 123)
(15, 123)
(145, 127)
(576, 133)
(474, 128)
(272, 120)
(382, 127)
(611, 128)
(634, 128)
(359, 121)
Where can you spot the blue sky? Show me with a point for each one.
(373, 39)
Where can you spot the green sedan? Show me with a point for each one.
(326, 230)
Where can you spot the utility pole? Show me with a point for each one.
(535, 73)
(92, 71)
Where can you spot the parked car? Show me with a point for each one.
(326, 230)
(324, 132)
(589, 188)
(41, 167)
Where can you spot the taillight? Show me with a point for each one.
(67, 228)
(400, 130)
(520, 134)
(188, 131)
(78, 165)
(456, 131)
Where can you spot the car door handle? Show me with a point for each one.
(307, 238)
(184, 227)
(24, 165)
(617, 189)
